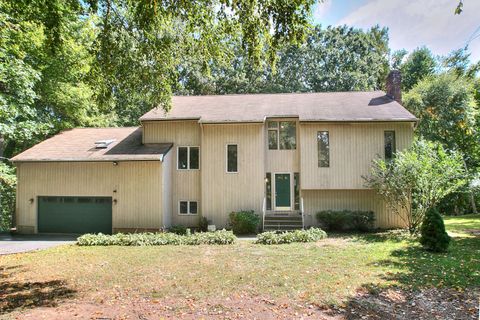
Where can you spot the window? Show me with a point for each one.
(282, 135)
(390, 147)
(188, 158)
(232, 158)
(323, 149)
(296, 187)
(268, 190)
(188, 207)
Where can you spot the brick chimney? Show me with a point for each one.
(394, 82)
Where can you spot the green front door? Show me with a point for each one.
(75, 215)
(282, 191)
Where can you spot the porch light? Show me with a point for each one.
(31, 200)
(115, 163)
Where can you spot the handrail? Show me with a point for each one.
(303, 214)
(264, 209)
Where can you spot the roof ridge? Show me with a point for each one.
(275, 93)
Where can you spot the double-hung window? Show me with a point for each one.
(282, 135)
(232, 158)
(188, 158)
(188, 207)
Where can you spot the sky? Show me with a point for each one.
(411, 23)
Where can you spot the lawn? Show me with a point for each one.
(324, 278)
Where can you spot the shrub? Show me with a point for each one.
(8, 183)
(434, 237)
(203, 224)
(244, 222)
(272, 237)
(346, 220)
(178, 229)
(157, 239)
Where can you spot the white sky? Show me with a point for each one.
(411, 23)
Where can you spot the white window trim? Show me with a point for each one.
(188, 157)
(226, 157)
(188, 208)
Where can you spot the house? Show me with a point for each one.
(286, 156)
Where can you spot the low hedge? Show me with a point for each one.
(157, 239)
(346, 220)
(272, 237)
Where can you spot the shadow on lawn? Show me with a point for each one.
(427, 285)
(20, 295)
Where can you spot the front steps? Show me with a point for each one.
(276, 222)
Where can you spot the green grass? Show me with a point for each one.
(329, 271)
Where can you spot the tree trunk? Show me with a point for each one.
(1, 145)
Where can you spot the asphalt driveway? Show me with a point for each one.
(23, 243)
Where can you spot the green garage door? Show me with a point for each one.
(75, 214)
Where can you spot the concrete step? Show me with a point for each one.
(281, 227)
(287, 218)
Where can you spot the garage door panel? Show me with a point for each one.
(74, 214)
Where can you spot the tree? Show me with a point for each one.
(7, 196)
(447, 112)
(418, 65)
(434, 237)
(397, 58)
(332, 59)
(416, 180)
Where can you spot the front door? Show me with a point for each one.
(282, 192)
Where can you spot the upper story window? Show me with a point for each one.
(323, 142)
(232, 158)
(282, 135)
(389, 141)
(188, 158)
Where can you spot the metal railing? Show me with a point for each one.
(264, 210)
(302, 212)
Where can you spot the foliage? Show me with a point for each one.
(178, 229)
(332, 59)
(203, 224)
(416, 180)
(419, 65)
(8, 182)
(157, 239)
(244, 222)
(433, 234)
(309, 235)
(346, 220)
(447, 112)
(459, 202)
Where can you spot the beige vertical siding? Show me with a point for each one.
(224, 192)
(353, 146)
(364, 200)
(135, 184)
(185, 183)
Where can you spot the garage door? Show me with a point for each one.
(74, 214)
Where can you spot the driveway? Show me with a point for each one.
(24, 243)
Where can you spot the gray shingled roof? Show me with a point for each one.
(325, 106)
(79, 145)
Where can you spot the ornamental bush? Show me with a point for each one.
(346, 220)
(272, 237)
(244, 222)
(221, 237)
(434, 237)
